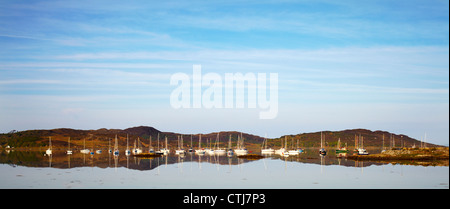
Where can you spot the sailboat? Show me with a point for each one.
(200, 150)
(294, 151)
(266, 150)
(165, 150)
(218, 151)
(300, 150)
(210, 150)
(285, 152)
(84, 150)
(340, 149)
(109, 146)
(361, 150)
(127, 151)
(241, 150)
(383, 149)
(137, 150)
(49, 150)
(150, 147)
(191, 149)
(158, 151)
(230, 151)
(92, 151)
(180, 150)
(69, 151)
(116, 147)
(322, 150)
(281, 150)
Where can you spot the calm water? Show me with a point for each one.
(309, 170)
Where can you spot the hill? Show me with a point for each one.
(368, 138)
(103, 138)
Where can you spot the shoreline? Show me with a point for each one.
(415, 155)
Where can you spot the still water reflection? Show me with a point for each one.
(307, 170)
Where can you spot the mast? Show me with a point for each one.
(116, 145)
(292, 145)
(393, 141)
(425, 140)
(158, 141)
(166, 142)
(242, 141)
(362, 142)
(150, 146)
(139, 144)
(217, 142)
(321, 145)
(285, 142)
(390, 142)
(238, 142)
(265, 141)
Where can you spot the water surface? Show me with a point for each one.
(305, 171)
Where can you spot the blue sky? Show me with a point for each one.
(379, 65)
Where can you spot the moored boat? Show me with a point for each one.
(341, 149)
(322, 150)
(49, 150)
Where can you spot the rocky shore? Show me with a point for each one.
(429, 156)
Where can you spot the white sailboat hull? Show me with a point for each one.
(293, 152)
(268, 151)
(200, 152)
(285, 153)
(85, 151)
(165, 151)
(280, 151)
(241, 151)
(180, 151)
(220, 151)
(137, 151)
(362, 151)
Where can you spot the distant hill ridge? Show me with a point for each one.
(102, 137)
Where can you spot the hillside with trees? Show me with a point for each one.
(103, 138)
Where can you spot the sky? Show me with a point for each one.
(378, 65)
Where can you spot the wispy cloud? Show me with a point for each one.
(28, 81)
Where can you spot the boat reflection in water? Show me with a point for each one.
(60, 159)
